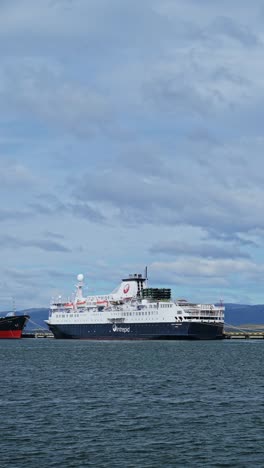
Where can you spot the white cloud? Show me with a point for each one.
(39, 90)
(133, 131)
(192, 267)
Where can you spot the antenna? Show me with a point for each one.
(14, 305)
(146, 274)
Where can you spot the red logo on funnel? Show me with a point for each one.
(126, 289)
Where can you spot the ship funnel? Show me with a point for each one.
(131, 286)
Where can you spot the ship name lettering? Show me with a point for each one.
(115, 328)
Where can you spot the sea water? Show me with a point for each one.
(131, 404)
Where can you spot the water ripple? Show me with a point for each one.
(145, 404)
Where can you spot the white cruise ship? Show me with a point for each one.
(133, 311)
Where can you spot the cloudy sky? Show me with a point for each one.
(131, 135)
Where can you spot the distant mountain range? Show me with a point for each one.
(241, 314)
(235, 314)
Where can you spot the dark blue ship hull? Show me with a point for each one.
(139, 331)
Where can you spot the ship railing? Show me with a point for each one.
(116, 319)
(205, 314)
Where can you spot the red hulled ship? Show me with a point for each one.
(11, 326)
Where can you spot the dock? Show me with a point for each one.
(41, 333)
(244, 335)
(244, 332)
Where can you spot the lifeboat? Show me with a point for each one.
(80, 303)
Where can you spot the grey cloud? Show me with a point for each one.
(46, 245)
(14, 215)
(48, 201)
(223, 73)
(212, 196)
(51, 205)
(183, 82)
(23, 275)
(47, 204)
(201, 135)
(122, 190)
(86, 212)
(22, 282)
(97, 21)
(202, 249)
(35, 276)
(41, 91)
(58, 274)
(175, 95)
(40, 208)
(210, 267)
(144, 160)
(214, 234)
(54, 235)
(26, 287)
(227, 26)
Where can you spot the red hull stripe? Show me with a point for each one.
(10, 333)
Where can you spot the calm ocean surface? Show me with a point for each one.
(131, 404)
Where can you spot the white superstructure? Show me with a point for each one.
(126, 304)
